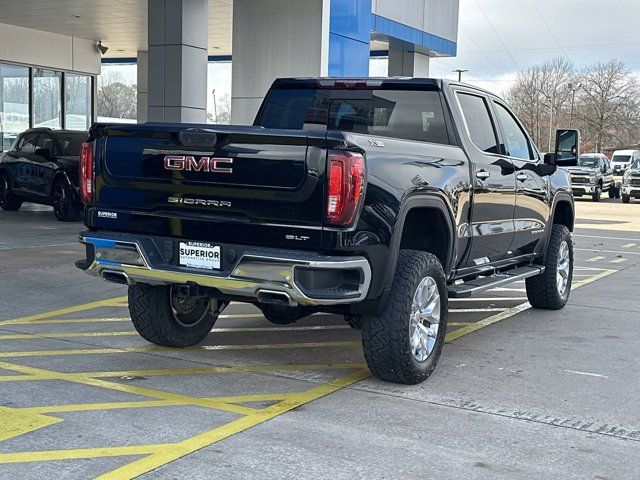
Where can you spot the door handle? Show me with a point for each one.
(522, 177)
(482, 174)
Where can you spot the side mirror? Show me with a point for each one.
(550, 159)
(567, 147)
(43, 152)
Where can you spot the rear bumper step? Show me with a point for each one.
(267, 275)
(467, 289)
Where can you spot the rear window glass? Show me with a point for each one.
(406, 114)
(621, 158)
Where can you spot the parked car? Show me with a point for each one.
(593, 176)
(631, 182)
(42, 167)
(622, 159)
(377, 199)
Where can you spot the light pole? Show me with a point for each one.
(215, 107)
(460, 72)
(573, 101)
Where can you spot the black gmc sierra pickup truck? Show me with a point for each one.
(376, 199)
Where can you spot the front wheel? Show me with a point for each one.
(626, 198)
(164, 318)
(403, 343)
(597, 193)
(8, 201)
(550, 290)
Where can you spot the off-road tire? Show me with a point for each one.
(626, 198)
(282, 314)
(65, 205)
(385, 338)
(612, 191)
(542, 290)
(597, 194)
(8, 201)
(154, 318)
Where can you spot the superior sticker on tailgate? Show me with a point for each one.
(200, 255)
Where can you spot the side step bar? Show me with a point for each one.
(467, 289)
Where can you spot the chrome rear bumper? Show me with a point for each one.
(302, 278)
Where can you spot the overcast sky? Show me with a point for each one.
(497, 38)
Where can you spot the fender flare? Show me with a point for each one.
(425, 201)
(561, 196)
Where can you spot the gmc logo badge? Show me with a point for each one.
(203, 164)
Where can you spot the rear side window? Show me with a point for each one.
(479, 124)
(407, 114)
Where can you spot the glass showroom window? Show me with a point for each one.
(47, 99)
(14, 103)
(77, 109)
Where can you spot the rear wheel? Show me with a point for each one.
(8, 201)
(403, 344)
(65, 207)
(550, 290)
(164, 318)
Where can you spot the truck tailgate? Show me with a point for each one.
(203, 182)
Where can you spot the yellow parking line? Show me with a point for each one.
(80, 453)
(192, 444)
(101, 351)
(629, 245)
(25, 336)
(619, 260)
(461, 332)
(52, 321)
(183, 371)
(595, 259)
(65, 311)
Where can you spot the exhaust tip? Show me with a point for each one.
(113, 276)
(275, 298)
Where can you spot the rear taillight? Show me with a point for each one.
(345, 186)
(86, 173)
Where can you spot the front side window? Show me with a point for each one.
(479, 124)
(516, 142)
(28, 145)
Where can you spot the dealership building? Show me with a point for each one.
(51, 52)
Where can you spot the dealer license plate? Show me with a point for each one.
(200, 255)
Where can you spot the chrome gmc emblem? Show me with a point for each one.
(203, 164)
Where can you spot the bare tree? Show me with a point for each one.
(539, 95)
(115, 98)
(609, 100)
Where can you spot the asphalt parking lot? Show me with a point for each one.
(518, 393)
